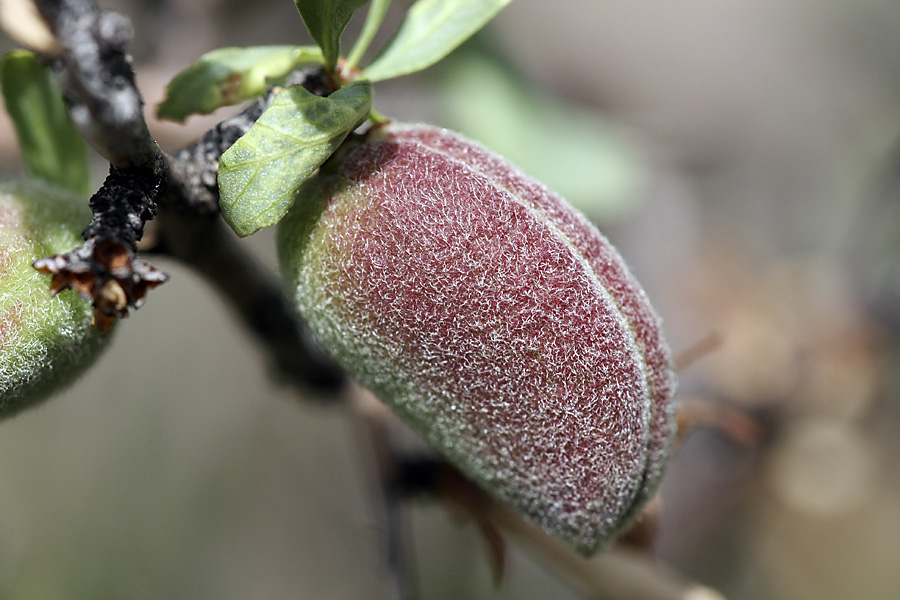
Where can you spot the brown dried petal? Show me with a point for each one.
(106, 272)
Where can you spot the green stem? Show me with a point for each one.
(376, 117)
(377, 10)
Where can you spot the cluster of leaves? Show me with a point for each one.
(259, 175)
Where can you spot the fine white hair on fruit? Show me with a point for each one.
(44, 342)
(494, 318)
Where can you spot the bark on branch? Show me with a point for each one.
(95, 73)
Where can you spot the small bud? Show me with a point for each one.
(45, 341)
(494, 319)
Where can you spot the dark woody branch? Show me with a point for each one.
(189, 229)
(193, 171)
(94, 70)
(207, 245)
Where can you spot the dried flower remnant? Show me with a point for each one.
(105, 268)
(493, 318)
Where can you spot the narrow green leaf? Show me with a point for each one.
(260, 173)
(51, 146)
(432, 30)
(377, 11)
(326, 20)
(228, 76)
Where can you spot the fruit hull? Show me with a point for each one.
(493, 318)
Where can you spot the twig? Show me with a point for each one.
(188, 229)
(616, 574)
(622, 572)
(105, 105)
(106, 269)
(95, 72)
(193, 171)
(207, 245)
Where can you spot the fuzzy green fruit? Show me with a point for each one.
(44, 342)
(493, 318)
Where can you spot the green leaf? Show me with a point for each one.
(259, 174)
(51, 146)
(432, 30)
(377, 11)
(326, 20)
(228, 76)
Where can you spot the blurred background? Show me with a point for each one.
(745, 158)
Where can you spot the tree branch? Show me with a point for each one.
(95, 72)
(193, 171)
(207, 245)
(189, 230)
(105, 105)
